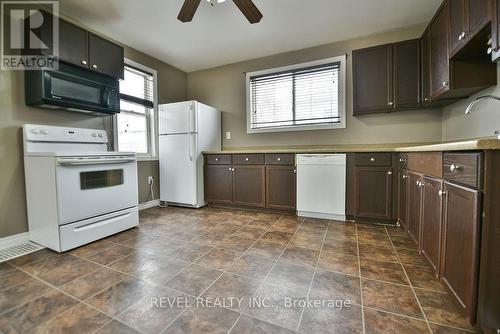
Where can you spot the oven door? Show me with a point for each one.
(92, 186)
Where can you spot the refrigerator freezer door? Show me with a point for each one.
(178, 118)
(178, 179)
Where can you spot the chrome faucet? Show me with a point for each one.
(476, 100)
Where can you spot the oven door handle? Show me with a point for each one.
(82, 162)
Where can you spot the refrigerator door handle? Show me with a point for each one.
(189, 147)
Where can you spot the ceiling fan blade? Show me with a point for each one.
(188, 10)
(248, 8)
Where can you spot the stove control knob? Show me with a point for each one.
(100, 135)
(94, 134)
(35, 131)
(44, 132)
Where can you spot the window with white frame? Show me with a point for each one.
(135, 122)
(308, 96)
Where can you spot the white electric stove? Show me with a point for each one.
(76, 190)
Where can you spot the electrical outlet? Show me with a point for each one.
(228, 135)
(150, 179)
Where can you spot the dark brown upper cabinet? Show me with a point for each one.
(407, 88)
(80, 47)
(467, 73)
(439, 57)
(373, 80)
(467, 19)
(460, 258)
(73, 44)
(387, 78)
(105, 56)
(495, 30)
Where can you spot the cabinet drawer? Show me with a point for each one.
(248, 159)
(218, 159)
(373, 159)
(463, 168)
(280, 159)
(426, 163)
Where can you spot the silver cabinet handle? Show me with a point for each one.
(84, 62)
(372, 159)
(279, 159)
(454, 167)
(246, 159)
(391, 103)
(295, 171)
(427, 99)
(389, 172)
(445, 83)
(216, 159)
(490, 50)
(441, 193)
(94, 66)
(405, 176)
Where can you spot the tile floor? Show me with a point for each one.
(181, 271)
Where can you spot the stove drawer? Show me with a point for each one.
(89, 230)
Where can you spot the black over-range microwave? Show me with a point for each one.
(72, 88)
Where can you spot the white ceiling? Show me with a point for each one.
(221, 35)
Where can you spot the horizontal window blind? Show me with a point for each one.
(307, 96)
(137, 88)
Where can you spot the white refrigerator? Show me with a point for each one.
(186, 129)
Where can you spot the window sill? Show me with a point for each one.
(299, 128)
(146, 158)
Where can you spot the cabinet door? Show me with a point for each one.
(374, 192)
(414, 206)
(402, 198)
(426, 68)
(372, 80)
(105, 57)
(458, 23)
(431, 221)
(73, 44)
(219, 184)
(249, 186)
(407, 74)
(280, 187)
(440, 66)
(459, 268)
(479, 15)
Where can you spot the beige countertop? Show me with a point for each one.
(489, 143)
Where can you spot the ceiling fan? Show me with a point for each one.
(247, 7)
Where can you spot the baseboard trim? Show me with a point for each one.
(308, 214)
(147, 205)
(14, 240)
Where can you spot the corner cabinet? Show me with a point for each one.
(263, 181)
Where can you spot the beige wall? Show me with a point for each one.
(14, 113)
(482, 122)
(224, 88)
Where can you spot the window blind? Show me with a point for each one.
(136, 90)
(306, 96)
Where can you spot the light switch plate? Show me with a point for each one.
(228, 135)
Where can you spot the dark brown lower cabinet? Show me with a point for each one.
(402, 198)
(460, 245)
(281, 187)
(249, 184)
(431, 221)
(374, 192)
(414, 205)
(219, 184)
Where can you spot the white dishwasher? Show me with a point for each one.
(321, 186)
